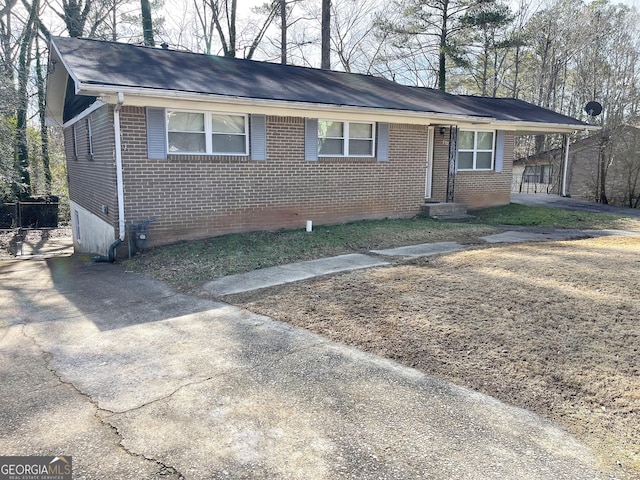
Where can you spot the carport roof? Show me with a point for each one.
(99, 67)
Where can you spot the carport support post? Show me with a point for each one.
(451, 172)
(566, 165)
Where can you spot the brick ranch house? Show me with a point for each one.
(209, 145)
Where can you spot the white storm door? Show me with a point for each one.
(429, 174)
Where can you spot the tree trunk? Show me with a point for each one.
(232, 28)
(325, 62)
(147, 23)
(442, 56)
(44, 132)
(602, 187)
(22, 149)
(283, 32)
(75, 16)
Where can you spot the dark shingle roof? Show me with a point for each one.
(512, 109)
(94, 62)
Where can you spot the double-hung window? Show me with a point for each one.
(208, 133)
(345, 139)
(475, 150)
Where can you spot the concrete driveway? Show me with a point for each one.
(556, 201)
(136, 381)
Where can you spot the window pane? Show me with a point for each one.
(186, 142)
(186, 122)
(329, 146)
(465, 140)
(229, 144)
(330, 129)
(360, 147)
(465, 160)
(483, 160)
(360, 130)
(485, 140)
(227, 124)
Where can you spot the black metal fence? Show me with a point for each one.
(29, 214)
(524, 184)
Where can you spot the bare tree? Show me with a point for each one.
(74, 14)
(220, 16)
(283, 32)
(44, 131)
(29, 32)
(354, 38)
(325, 54)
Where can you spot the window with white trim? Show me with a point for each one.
(475, 149)
(345, 139)
(90, 135)
(193, 132)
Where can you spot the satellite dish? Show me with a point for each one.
(593, 109)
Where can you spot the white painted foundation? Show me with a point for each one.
(96, 235)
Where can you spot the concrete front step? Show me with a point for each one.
(442, 209)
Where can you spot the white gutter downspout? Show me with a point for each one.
(566, 166)
(119, 179)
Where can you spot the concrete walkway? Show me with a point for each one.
(273, 276)
(293, 272)
(136, 381)
(556, 201)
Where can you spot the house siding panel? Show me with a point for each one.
(92, 179)
(194, 196)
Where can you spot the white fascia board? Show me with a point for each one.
(170, 98)
(75, 79)
(57, 80)
(90, 109)
(531, 128)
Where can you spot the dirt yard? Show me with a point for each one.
(553, 327)
(34, 241)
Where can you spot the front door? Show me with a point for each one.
(429, 175)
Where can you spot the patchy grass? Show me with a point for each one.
(550, 327)
(523, 215)
(186, 264)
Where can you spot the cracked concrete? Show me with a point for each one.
(136, 381)
(42, 414)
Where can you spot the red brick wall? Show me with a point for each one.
(198, 196)
(92, 179)
(201, 196)
(476, 189)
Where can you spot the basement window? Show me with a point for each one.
(191, 132)
(475, 150)
(77, 222)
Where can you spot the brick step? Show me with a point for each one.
(442, 209)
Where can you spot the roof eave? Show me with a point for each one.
(108, 93)
(57, 85)
(533, 128)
